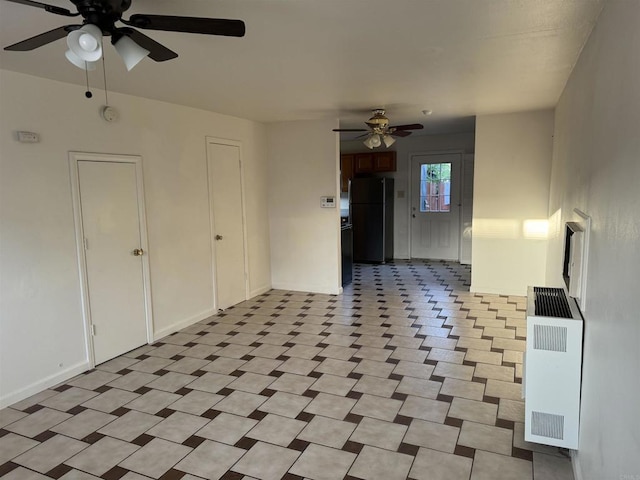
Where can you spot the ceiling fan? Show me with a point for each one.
(100, 18)
(379, 130)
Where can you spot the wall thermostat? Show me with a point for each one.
(328, 202)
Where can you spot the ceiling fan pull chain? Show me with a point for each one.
(104, 76)
(88, 93)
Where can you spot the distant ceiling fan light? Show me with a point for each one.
(368, 142)
(388, 140)
(130, 52)
(375, 140)
(78, 62)
(86, 42)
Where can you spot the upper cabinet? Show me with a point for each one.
(346, 170)
(353, 164)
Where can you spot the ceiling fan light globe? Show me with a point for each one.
(78, 62)
(375, 140)
(130, 52)
(86, 43)
(368, 142)
(388, 140)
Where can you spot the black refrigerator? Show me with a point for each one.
(372, 219)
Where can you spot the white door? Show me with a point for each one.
(225, 193)
(111, 230)
(435, 206)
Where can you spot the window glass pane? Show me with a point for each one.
(435, 187)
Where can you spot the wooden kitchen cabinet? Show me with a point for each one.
(346, 171)
(354, 164)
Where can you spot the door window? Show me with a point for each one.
(435, 187)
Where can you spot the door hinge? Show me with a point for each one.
(86, 243)
(93, 330)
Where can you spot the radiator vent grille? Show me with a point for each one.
(550, 337)
(547, 425)
(551, 302)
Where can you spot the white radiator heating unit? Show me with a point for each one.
(552, 368)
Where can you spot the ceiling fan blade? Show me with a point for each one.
(206, 26)
(413, 126)
(47, 7)
(42, 39)
(349, 129)
(401, 133)
(157, 51)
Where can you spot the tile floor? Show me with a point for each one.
(405, 375)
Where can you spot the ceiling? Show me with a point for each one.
(313, 59)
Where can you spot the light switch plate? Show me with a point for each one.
(328, 202)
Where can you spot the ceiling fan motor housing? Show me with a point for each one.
(378, 120)
(102, 13)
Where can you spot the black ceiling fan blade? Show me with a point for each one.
(42, 39)
(413, 126)
(157, 51)
(401, 133)
(47, 7)
(206, 26)
(349, 129)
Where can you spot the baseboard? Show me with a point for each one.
(324, 289)
(182, 324)
(498, 291)
(259, 291)
(50, 381)
(575, 465)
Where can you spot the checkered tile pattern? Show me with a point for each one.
(405, 375)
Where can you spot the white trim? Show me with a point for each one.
(575, 465)
(183, 324)
(74, 158)
(43, 384)
(259, 291)
(324, 289)
(497, 291)
(238, 144)
(460, 152)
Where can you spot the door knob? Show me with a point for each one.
(218, 237)
(138, 252)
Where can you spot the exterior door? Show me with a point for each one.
(435, 206)
(111, 230)
(225, 194)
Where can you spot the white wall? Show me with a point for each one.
(596, 168)
(510, 203)
(405, 148)
(41, 329)
(305, 238)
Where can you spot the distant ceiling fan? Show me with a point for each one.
(379, 130)
(100, 18)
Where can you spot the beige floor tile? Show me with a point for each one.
(497, 388)
(549, 467)
(241, 403)
(412, 369)
(439, 342)
(196, 402)
(451, 370)
(210, 460)
(327, 431)
(130, 426)
(330, 406)
(377, 464)
(425, 409)
(251, 382)
(377, 407)
(378, 433)
(481, 356)
(462, 388)
(227, 428)
(511, 410)
(12, 445)
(103, 455)
(292, 383)
(333, 384)
(267, 462)
(474, 343)
(439, 354)
(277, 430)
(419, 387)
(285, 404)
(373, 368)
(155, 458)
(490, 466)
(434, 465)
(37, 422)
(376, 386)
(499, 333)
(178, 427)
(486, 437)
(432, 435)
(84, 423)
(323, 463)
(496, 372)
(473, 410)
(50, 454)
